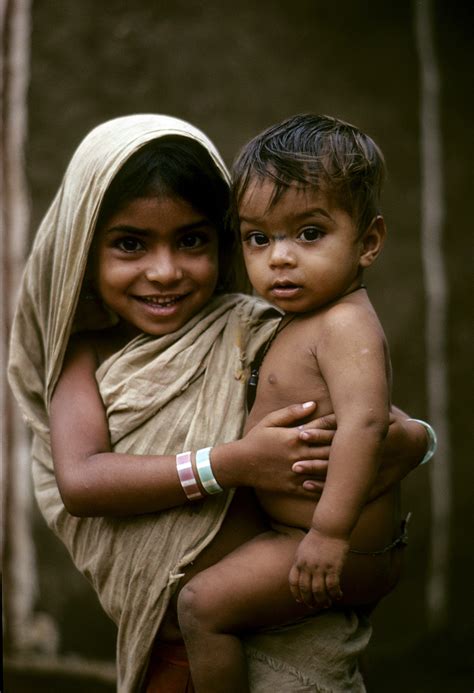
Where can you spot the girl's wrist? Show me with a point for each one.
(226, 464)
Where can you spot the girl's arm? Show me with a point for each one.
(94, 480)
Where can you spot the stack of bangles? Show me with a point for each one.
(187, 478)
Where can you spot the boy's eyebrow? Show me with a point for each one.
(311, 211)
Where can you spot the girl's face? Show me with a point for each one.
(156, 263)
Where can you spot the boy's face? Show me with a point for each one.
(301, 253)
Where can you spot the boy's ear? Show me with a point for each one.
(372, 241)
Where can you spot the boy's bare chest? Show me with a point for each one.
(290, 372)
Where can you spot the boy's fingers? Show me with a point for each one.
(305, 589)
(293, 579)
(333, 586)
(319, 590)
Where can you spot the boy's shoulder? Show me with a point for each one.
(350, 315)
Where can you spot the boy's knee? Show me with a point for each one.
(194, 606)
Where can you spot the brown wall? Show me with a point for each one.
(233, 68)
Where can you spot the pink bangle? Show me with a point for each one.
(187, 479)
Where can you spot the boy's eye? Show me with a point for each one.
(256, 239)
(129, 244)
(311, 233)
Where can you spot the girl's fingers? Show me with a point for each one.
(317, 468)
(328, 423)
(289, 415)
(316, 436)
(313, 486)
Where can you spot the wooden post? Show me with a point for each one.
(19, 571)
(436, 323)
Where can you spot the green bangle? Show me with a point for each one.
(432, 440)
(204, 470)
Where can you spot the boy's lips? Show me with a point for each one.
(285, 289)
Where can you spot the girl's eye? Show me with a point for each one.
(256, 239)
(311, 234)
(192, 240)
(129, 244)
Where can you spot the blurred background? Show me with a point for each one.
(401, 71)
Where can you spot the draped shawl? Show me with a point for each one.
(162, 395)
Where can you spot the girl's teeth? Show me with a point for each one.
(161, 301)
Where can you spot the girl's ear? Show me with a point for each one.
(372, 241)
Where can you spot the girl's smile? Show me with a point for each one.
(156, 263)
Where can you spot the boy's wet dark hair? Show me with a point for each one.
(319, 152)
(175, 166)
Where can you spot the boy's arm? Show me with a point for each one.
(402, 451)
(353, 360)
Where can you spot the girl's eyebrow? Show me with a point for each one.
(139, 231)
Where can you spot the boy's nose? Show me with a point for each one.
(163, 268)
(281, 253)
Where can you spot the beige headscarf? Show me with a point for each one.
(54, 272)
(182, 391)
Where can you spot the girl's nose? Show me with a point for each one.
(282, 254)
(163, 268)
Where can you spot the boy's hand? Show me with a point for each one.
(316, 572)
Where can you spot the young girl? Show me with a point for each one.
(124, 347)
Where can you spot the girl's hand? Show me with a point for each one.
(263, 459)
(316, 573)
(320, 433)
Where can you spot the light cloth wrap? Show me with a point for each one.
(163, 395)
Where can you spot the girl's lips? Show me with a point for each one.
(161, 306)
(161, 300)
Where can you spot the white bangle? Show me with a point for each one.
(432, 440)
(204, 470)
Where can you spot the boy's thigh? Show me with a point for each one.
(249, 588)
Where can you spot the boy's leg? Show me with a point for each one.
(247, 589)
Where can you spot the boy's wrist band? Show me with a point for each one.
(204, 470)
(187, 479)
(432, 440)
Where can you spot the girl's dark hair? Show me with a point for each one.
(179, 167)
(320, 152)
